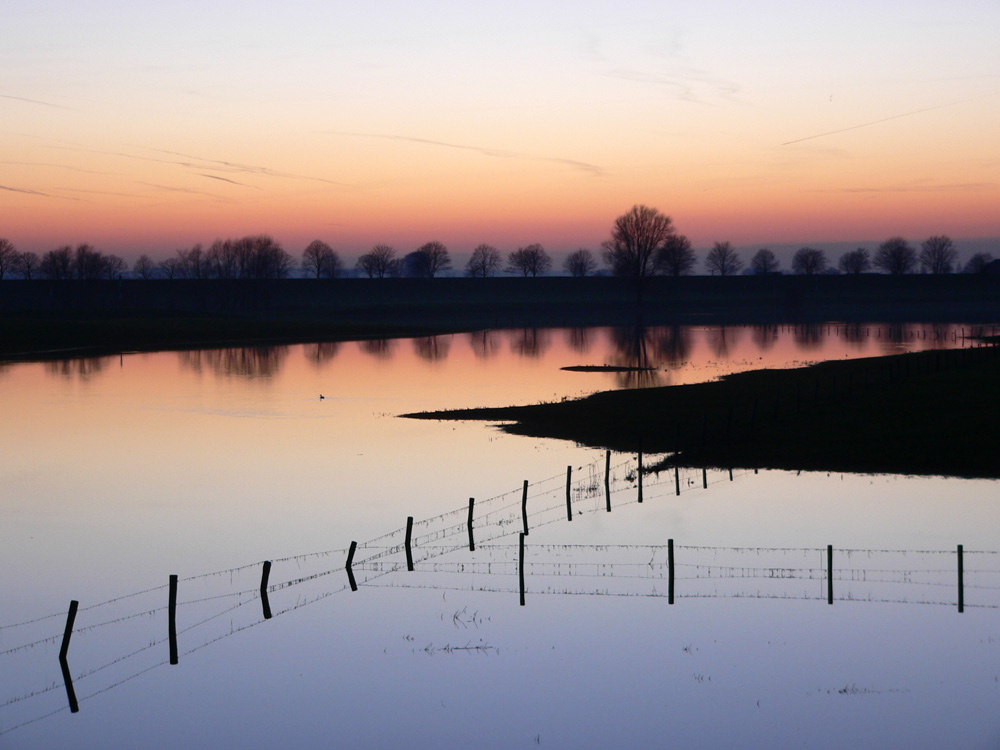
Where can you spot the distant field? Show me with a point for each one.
(52, 318)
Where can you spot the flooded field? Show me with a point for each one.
(700, 616)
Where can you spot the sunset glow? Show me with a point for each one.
(143, 128)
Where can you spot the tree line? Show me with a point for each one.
(643, 243)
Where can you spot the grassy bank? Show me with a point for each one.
(922, 413)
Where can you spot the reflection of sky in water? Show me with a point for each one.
(122, 471)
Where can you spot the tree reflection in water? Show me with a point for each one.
(721, 338)
(809, 336)
(764, 336)
(321, 353)
(245, 361)
(82, 368)
(379, 348)
(530, 342)
(631, 346)
(485, 344)
(672, 345)
(432, 348)
(579, 339)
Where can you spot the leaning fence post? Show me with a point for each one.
(829, 574)
(639, 474)
(409, 551)
(265, 574)
(172, 619)
(68, 632)
(472, 542)
(670, 571)
(607, 479)
(569, 504)
(347, 567)
(704, 478)
(524, 507)
(520, 566)
(961, 572)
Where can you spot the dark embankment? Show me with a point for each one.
(923, 413)
(60, 317)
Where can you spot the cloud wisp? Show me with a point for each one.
(38, 102)
(591, 169)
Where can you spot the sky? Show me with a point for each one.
(147, 127)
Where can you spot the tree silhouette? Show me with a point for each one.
(723, 260)
(763, 262)
(895, 256)
(809, 261)
(938, 254)
(580, 263)
(636, 238)
(320, 261)
(378, 262)
(193, 263)
(675, 257)
(855, 261)
(529, 261)
(977, 263)
(485, 261)
(144, 267)
(26, 264)
(8, 256)
(427, 260)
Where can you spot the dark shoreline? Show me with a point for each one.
(47, 319)
(923, 413)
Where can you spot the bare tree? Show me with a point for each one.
(194, 263)
(113, 267)
(319, 260)
(855, 261)
(763, 262)
(88, 263)
(636, 238)
(580, 263)
(722, 260)
(428, 260)
(144, 267)
(675, 257)
(8, 256)
(171, 268)
(264, 258)
(977, 263)
(895, 256)
(809, 261)
(378, 262)
(26, 264)
(938, 254)
(485, 261)
(57, 264)
(529, 261)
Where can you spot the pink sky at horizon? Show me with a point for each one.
(146, 129)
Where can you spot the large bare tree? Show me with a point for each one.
(529, 261)
(675, 257)
(895, 256)
(484, 262)
(319, 260)
(378, 262)
(722, 260)
(938, 254)
(809, 261)
(636, 237)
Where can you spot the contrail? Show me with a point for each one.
(877, 122)
(36, 101)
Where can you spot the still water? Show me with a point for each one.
(120, 471)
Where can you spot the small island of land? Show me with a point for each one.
(931, 412)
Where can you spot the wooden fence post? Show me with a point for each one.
(677, 480)
(524, 507)
(829, 574)
(74, 707)
(569, 504)
(639, 475)
(347, 567)
(409, 551)
(520, 566)
(68, 632)
(265, 603)
(704, 478)
(670, 571)
(172, 619)
(472, 542)
(961, 569)
(607, 479)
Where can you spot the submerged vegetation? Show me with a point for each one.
(931, 412)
